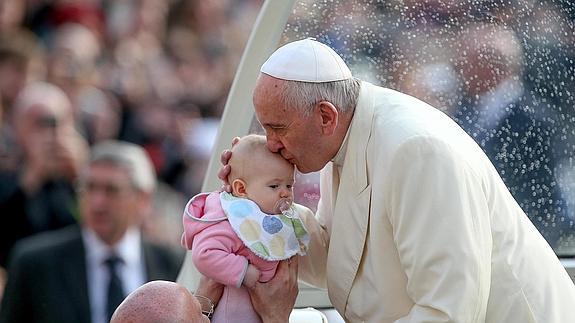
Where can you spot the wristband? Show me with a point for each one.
(206, 304)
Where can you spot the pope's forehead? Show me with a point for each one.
(268, 101)
(268, 84)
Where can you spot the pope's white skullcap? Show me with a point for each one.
(306, 60)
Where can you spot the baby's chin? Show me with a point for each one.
(268, 211)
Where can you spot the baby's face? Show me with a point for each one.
(273, 181)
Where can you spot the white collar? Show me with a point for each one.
(339, 158)
(128, 248)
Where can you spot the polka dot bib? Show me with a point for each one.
(271, 237)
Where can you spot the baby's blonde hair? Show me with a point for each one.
(248, 154)
(245, 154)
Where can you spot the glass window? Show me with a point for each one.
(504, 70)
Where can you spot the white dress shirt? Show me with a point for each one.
(131, 270)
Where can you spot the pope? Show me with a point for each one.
(414, 223)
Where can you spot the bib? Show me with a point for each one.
(270, 237)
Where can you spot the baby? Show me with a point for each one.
(238, 239)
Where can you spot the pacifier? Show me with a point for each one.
(283, 206)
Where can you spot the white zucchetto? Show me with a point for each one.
(306, 60)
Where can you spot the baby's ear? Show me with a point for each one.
(239, 187)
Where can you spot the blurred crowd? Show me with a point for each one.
(74, 73)
(155, 73)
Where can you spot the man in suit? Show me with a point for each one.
(80, 274)
(40, 195)
(417, 225)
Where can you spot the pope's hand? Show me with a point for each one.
(226, 169)
(275, 299)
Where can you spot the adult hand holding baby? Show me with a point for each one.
(275, 299)
(226, 169)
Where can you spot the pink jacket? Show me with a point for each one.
(217, 252)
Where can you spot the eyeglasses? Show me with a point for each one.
(47, 121)
(109, 189)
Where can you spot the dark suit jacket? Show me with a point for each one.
(48, 283)
(52, 207)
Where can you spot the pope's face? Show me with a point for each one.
(296, 137)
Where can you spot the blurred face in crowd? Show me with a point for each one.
(299, 139)
(492, 54)
(109, 202)
(11, 14)
(45, 131)
(72, 61)
(45, 123)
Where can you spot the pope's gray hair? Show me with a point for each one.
(131, 156)
(303, 96)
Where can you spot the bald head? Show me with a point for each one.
(44, 96)
(41, 105)
(159, 302)
(42, 118)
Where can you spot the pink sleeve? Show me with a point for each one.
(213, 254)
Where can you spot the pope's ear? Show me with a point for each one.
(239, 188)
(329, 117)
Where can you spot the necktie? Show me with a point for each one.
(115, 290)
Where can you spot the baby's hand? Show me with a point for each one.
(252, 276)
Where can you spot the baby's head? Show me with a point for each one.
(260, 175)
